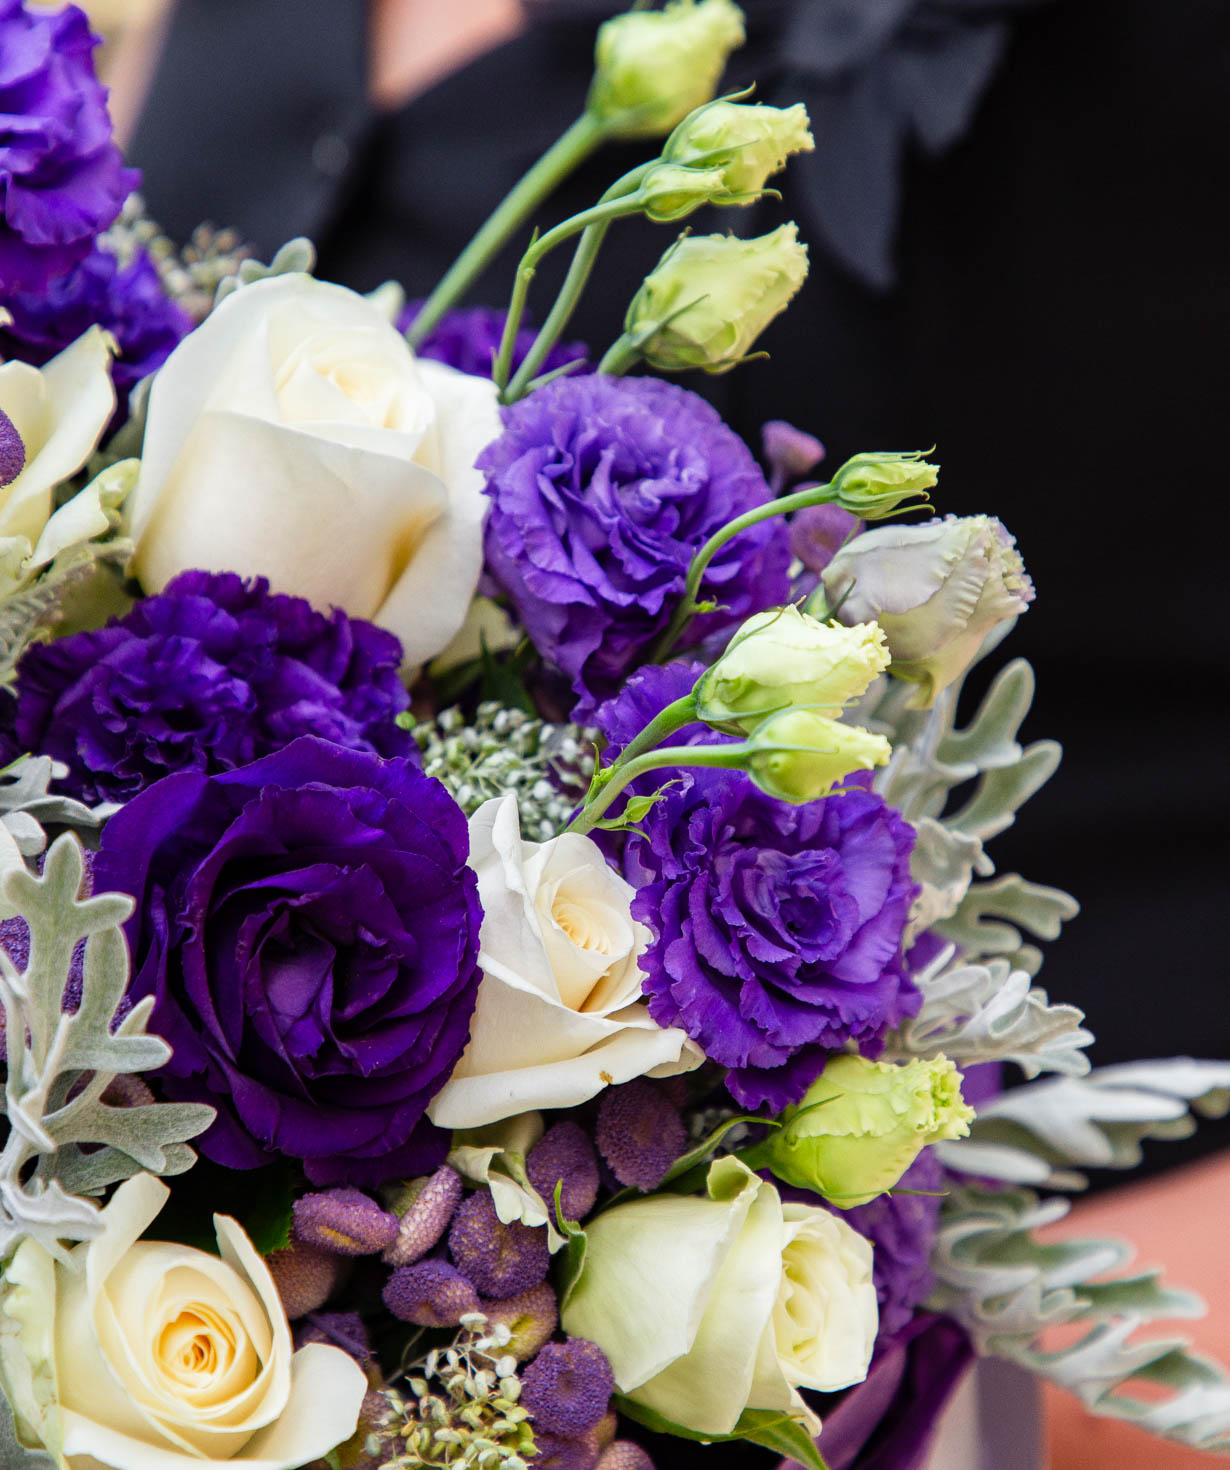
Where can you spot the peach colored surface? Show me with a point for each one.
(1182, 1223)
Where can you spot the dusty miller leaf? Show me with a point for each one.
(296, 257)
(60, 1063)
(1006, 1287)
(1046, 1132)
(991, 1012)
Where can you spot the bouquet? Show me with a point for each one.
(499, 958)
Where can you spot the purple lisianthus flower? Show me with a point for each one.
(211, 673)
(308, 928)
(902, 1229)
(777, 928)
(468, 338)
(129, 301)
(602, 489)
(62, 179)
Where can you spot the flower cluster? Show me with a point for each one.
(524, 872)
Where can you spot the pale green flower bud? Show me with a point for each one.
(785, 659)
(800, 756)
(652, 67)
(670, 191)
(936, 589)
(873, 485)
(862, 1124)
(749, 143)
(710, 296)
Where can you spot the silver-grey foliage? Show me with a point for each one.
(27, 804)
(59, 1063)
(990, 1012)
(1046, 1132)
(1007, 1288)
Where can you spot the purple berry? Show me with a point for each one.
(304, 1276)
(12, 451)
(344, 1221)
(425, 1209)
(565, 1153)
(430, 1294)
(501, 1260)
(640, 1133)
(624, 1455)
(568, 1387)
(339, 1329)
(559, 1452)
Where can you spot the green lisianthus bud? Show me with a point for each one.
(670, 191)
(711, 296)
(653, 67)
(862, 1124)
(750, 143)
(784, 659)
(799, 756)
(873, 485)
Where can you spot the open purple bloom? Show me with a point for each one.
(129, 301)
(602, 489)
(777, 928)
(62, 179)
(902, 1230)
(308, 928)
(468, 338)
(211, 673)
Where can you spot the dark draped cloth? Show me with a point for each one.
(1017, 254)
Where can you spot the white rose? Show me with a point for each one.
(161, 1357)
(59, 413)
(294, 435)
(709, 1305)
(559, 1014)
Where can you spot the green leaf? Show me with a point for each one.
(775, 1431)
(574, 1253)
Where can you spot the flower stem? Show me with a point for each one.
(784, 505)
(674, 717)
(622, 355)
(730, 756)
(566, 154)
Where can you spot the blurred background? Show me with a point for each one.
(1017, 254)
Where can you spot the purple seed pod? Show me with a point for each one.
(567, 1388)
(339, 1329)
(562, 1452)
(425, 1208)
(640, 1133)
(12, 451)
(624, 1455)
(127, 1090)
(564, 1152)
(304, 1276)
(501, 1260)
(608, 1427)
(430, 1293)
(344, 1221)
(531, 1316)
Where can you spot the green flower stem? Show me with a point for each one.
(561, 313)
(783, 505)
(565, 154)
(730, 756)
(621, 356)
(674, 717)
(611, 207)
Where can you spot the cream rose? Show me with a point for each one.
(294, 435)
(161, 1357)
(709, 1305)
(559, 1014)
(59, 413)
